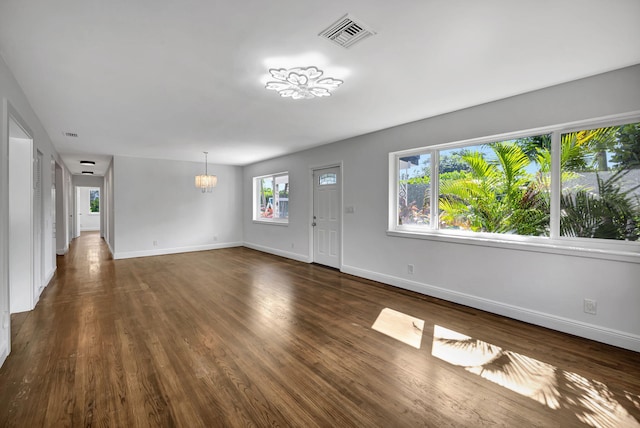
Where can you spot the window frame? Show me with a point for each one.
(256, 218)
(554, 243)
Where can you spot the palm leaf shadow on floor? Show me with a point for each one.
(589, 401)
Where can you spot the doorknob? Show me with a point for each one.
(313, 224)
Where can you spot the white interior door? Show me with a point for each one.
(21, 220)
(327, 216)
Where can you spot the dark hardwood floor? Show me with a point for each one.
(235, 337)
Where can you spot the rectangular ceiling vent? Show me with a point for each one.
(346, 32)
(71, 134)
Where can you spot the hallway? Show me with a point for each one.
(235, 337)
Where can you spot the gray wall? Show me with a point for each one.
(108, 212)
(14, 101)
(539, 287)
(156, 201)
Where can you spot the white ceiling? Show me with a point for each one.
(169, 80)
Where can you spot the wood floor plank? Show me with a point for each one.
(239, 338)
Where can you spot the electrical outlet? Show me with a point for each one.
(155, 243)
(590, 306)
(410, 269)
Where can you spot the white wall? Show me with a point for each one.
(156, 201)
(14, 101)
(542, 288)
(88, 221)
(62, 210)
(20, 220)
(108, 214)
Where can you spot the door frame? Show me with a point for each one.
(38, 224)
(10, 113)
(78, 209)
(312, 170)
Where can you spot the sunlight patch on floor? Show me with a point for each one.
(592, 402)
(400, 326)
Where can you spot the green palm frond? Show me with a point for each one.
(493, 198)
(512, 160)
(580, 150)
(480, 168)
(609, 213)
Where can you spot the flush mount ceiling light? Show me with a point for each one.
(206, 182)
(87, 172)
(87, 163)
(302, 83)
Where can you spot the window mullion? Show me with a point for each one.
(434, 188)
(555, 186)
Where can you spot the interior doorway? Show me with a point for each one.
(61, 217)
(327, 216)
(88, 202)
(24, 257)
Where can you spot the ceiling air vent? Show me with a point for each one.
(346, 32)
(71, 134)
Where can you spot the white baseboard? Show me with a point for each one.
(277, 252)
(62, 251)
(49, 277)
(164, 251)
(566, 325)
(110, 249)
(3, 356)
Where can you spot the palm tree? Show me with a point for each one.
(498, 196)
(502, 195)
(585, 150)
(611, 213)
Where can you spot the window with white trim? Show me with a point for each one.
(271, 198)
(562, 184)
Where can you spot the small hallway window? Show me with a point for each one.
(94, 201)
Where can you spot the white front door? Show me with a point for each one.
(327, 216)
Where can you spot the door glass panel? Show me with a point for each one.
(328, 178)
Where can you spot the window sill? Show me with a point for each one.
(520, 243)
(272, 222)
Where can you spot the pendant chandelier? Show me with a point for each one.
(206, 182)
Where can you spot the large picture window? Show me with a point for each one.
(271, 198)
(499, 187)
(561, 184)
